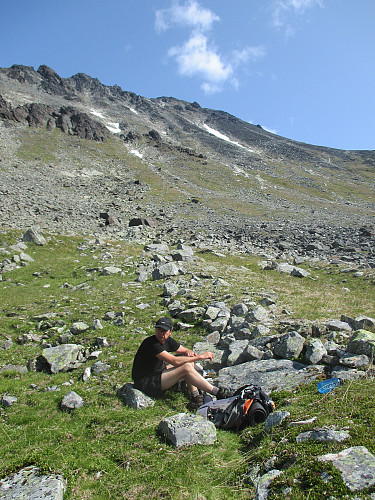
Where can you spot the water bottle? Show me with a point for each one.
(327, 385)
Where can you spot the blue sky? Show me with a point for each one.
(304, 69)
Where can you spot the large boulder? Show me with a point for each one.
(289, 345)
(362, 342)
(357, 467)
(31, 484)
(185, 430)
(61, 358)
(270, 374)
(33, 235)
(133, 397)
(165, 270)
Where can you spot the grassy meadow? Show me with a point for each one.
(106, 450)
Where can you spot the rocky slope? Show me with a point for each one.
(80, 156)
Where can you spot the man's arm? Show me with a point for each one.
(185, 352)
(181, 360)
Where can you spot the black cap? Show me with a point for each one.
(165, 323)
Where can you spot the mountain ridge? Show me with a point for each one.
(192, 168)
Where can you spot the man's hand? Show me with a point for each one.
(189, 353)
(206, 355)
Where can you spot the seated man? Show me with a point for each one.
(155, 369)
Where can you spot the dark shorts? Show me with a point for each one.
(150, 384)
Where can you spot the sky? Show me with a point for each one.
(302, 69)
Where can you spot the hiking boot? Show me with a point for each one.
(195, 402)
(224, 393)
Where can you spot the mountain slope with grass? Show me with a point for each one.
(106, 449)
(270, 248)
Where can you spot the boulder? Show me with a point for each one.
(79, 327)
(357, 467)
(165, 270)
(270, 374)
(323, 436)
(185, 430)
(133, 397)
(107, 271)
(31, 484)
(362, 342)
(315, 351)
(192, 315)
(34, 236)
(289, 345)
(61, 358)
(71, 402)
(7, 400)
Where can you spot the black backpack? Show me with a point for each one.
(248, 406)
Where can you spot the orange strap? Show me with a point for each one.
(247, 405)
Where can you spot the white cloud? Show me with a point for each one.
(190, 14)
(281, 9)
(248, 53)
(194, 57)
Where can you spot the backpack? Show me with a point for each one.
(248, 406)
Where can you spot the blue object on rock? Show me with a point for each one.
(327, 385)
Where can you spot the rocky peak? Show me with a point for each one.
(24, 74)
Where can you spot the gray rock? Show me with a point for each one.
(275, 419)
(107, 271)
(298, 272)
(218, 359)
(362, 342)
(66, 338)
(219, 324)
(284, 267)
(96, 325)
(264, 482)
(8, 344)
(86, 374)
(30, 484)
(186, 430)
(7, 400)
(182, 256)
(357, 467)
(337, 325)
(24, 257)
(257, 315)
(237, 352)
(289, 345)
(170, 289)
(315, 351)
(133, 397)
(34, 236)
(348, 374)
(323, 436)
(79, 327)
(211, 312)
(13, 368)
(259, 331)
(71, 401)
(240, 310)
(100, 367)
(192, 315)
(157, 247)
(354, 360)
(270, 374)
(252, 353)
(60, 358)
(165, 270)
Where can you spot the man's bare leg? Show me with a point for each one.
(187, 372)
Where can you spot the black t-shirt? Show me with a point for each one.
(145, 360)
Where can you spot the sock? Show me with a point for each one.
(215, 390)
(195, 393)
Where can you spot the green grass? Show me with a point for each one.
(107, 450)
